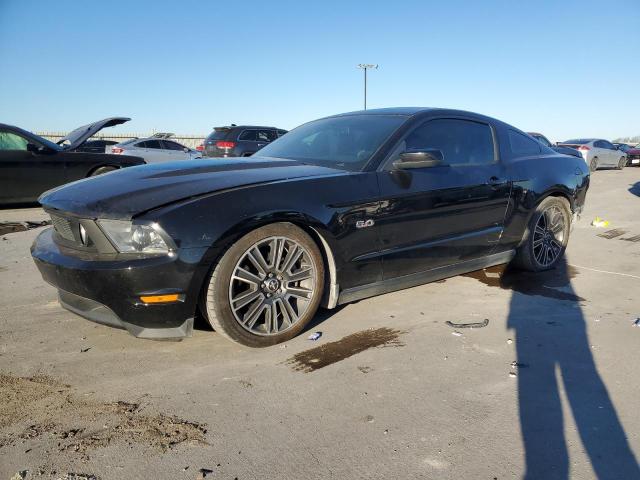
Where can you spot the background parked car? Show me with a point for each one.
(598, 152)
(239, 141)
(560, 149)
(156, 149)
(31, 165)
(633, 156)
(96, 146)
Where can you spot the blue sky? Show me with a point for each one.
(564, 68)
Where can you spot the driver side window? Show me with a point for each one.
(462, 142)
(12, 141)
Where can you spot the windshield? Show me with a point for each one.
(347, 143)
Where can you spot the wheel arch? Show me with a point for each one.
(311, 226)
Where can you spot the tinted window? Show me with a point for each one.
(172, 145)
(608, 145)
(542, 139)
(153, 144)
(249, 135)
(578, 141)
(462, 142)
(217, 134)
(346, 142)
(12, 141)
(522, 144)
(266, 135)
(599, 144)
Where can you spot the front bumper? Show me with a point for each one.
(107, 289)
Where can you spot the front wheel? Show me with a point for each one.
(621, 163)
(266, 287)
(593, 166)
(101, 170)
(546, 236)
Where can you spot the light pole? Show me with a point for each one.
(365, 67)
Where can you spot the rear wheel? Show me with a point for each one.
(101, 170)
(266, 287)
(621, 163)
(546, 236)
(593, 166)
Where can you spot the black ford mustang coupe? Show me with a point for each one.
(339, 209)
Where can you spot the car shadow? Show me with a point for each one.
(553, 356)
(635, 189)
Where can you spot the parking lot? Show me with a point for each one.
(390, 390)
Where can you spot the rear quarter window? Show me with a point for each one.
(522, 145)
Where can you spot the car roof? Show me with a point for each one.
(246, 126)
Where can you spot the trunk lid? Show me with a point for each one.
(80, 135)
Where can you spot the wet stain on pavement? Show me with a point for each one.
(332, 352)
(609, 234)
(545, 284)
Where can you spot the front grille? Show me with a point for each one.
(63, 227)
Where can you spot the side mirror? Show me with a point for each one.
(423, 159)
(33, 148)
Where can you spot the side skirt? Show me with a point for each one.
(419, 278)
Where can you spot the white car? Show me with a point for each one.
(155, 149)
(598, 152)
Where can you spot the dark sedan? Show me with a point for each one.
(339, 209)
(30, 164)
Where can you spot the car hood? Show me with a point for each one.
(80, 135)
(633, 151)
(125, 193)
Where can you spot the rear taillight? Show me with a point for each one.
(583, 147)
(200, 148)
(225, 144)
(117, 150)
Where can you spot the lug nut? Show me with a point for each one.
(270, 275)
(268, 295)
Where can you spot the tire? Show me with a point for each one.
(621, 163)
(230, 302)
(101, 170)
(534, 253)
(593, 166)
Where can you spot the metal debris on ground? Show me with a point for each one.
(481, 324)
(637, 322)
(79, 476)
(204, 473)
(509, 341)
(456, 333)
(11, 227)
(600, 223)
(512, 374)
(615, 233)
(315, 336)
(21, 475)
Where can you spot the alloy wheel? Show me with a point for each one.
(272, 285)
(549, 236)
(594, 165)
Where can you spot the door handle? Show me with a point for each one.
(495, 182)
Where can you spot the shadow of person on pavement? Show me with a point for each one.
(553, 350)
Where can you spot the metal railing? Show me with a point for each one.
(191, 141)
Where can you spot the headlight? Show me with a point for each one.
(130, 237)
